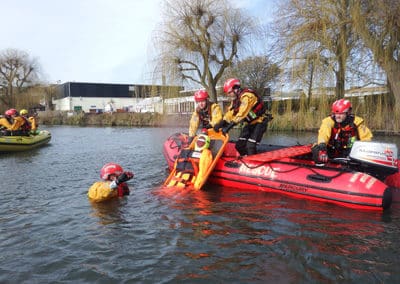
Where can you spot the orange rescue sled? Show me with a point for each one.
(192, 169)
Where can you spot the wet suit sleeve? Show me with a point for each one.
(216, 114)
(364, 133)
(194, 124)
(325, 130)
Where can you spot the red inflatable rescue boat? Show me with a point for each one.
(368, 179)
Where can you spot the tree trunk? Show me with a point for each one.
(393, 73)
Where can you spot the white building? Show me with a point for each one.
(98, 97)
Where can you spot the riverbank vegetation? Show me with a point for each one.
(379, 114)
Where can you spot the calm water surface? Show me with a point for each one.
(50, 232)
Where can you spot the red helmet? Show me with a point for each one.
(229, 84)
(341, 106)
(109, 169)
(200, 95)
(11, 111)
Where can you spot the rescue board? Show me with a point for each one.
(189, 180)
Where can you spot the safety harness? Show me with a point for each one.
(343, 136)
(187, 166)
(204, 115)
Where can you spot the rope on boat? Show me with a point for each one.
(341, 171)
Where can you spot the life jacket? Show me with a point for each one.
(342, 137)
(204, 114)
(256, 111)
(26, 127)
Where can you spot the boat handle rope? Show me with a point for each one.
(341, 171)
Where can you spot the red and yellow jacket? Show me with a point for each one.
(330, 131)
(212, 115)
(246, 108)
(101, 191)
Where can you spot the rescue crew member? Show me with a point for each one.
(206, 114)
(21, 125)
(248, 107)
(6, 123)
(338, 132)
(112, 185)
(31, 120)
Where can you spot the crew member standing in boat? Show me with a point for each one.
(338, 132)
(246, 106)
(112, 185)
(206, 114)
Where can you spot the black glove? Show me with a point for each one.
(228, 127)
(190, 139)
(322, 156)
(125, 176)
(219, 125)
(320, 153)
(269, 117)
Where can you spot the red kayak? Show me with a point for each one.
(368, 179)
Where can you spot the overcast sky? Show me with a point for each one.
(90, 40)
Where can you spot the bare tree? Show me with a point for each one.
(378, 24)
(318, 31)
(17, 70)
(199, 39)
(257, 72)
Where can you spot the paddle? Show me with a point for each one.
(290, 151)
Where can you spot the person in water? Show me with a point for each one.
(113, 183)
(192, 164)
(338, 132)
(206, 114)
(248, 107)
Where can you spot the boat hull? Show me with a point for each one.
(24, 143)
(296, 176)
(301, 180)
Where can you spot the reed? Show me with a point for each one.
(380, 113)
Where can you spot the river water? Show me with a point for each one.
(51, 233)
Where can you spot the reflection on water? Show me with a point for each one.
(255, 233)
(108, 212)
(50, 232)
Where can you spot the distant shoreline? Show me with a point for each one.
(136, 119)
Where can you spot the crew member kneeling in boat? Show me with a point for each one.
(21, 126)
(338, 133)
(193, 164)
(31, 120)
(6, 123)
(113, 184)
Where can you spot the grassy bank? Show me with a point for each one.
(112, 119)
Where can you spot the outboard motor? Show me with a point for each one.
(376, 158)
